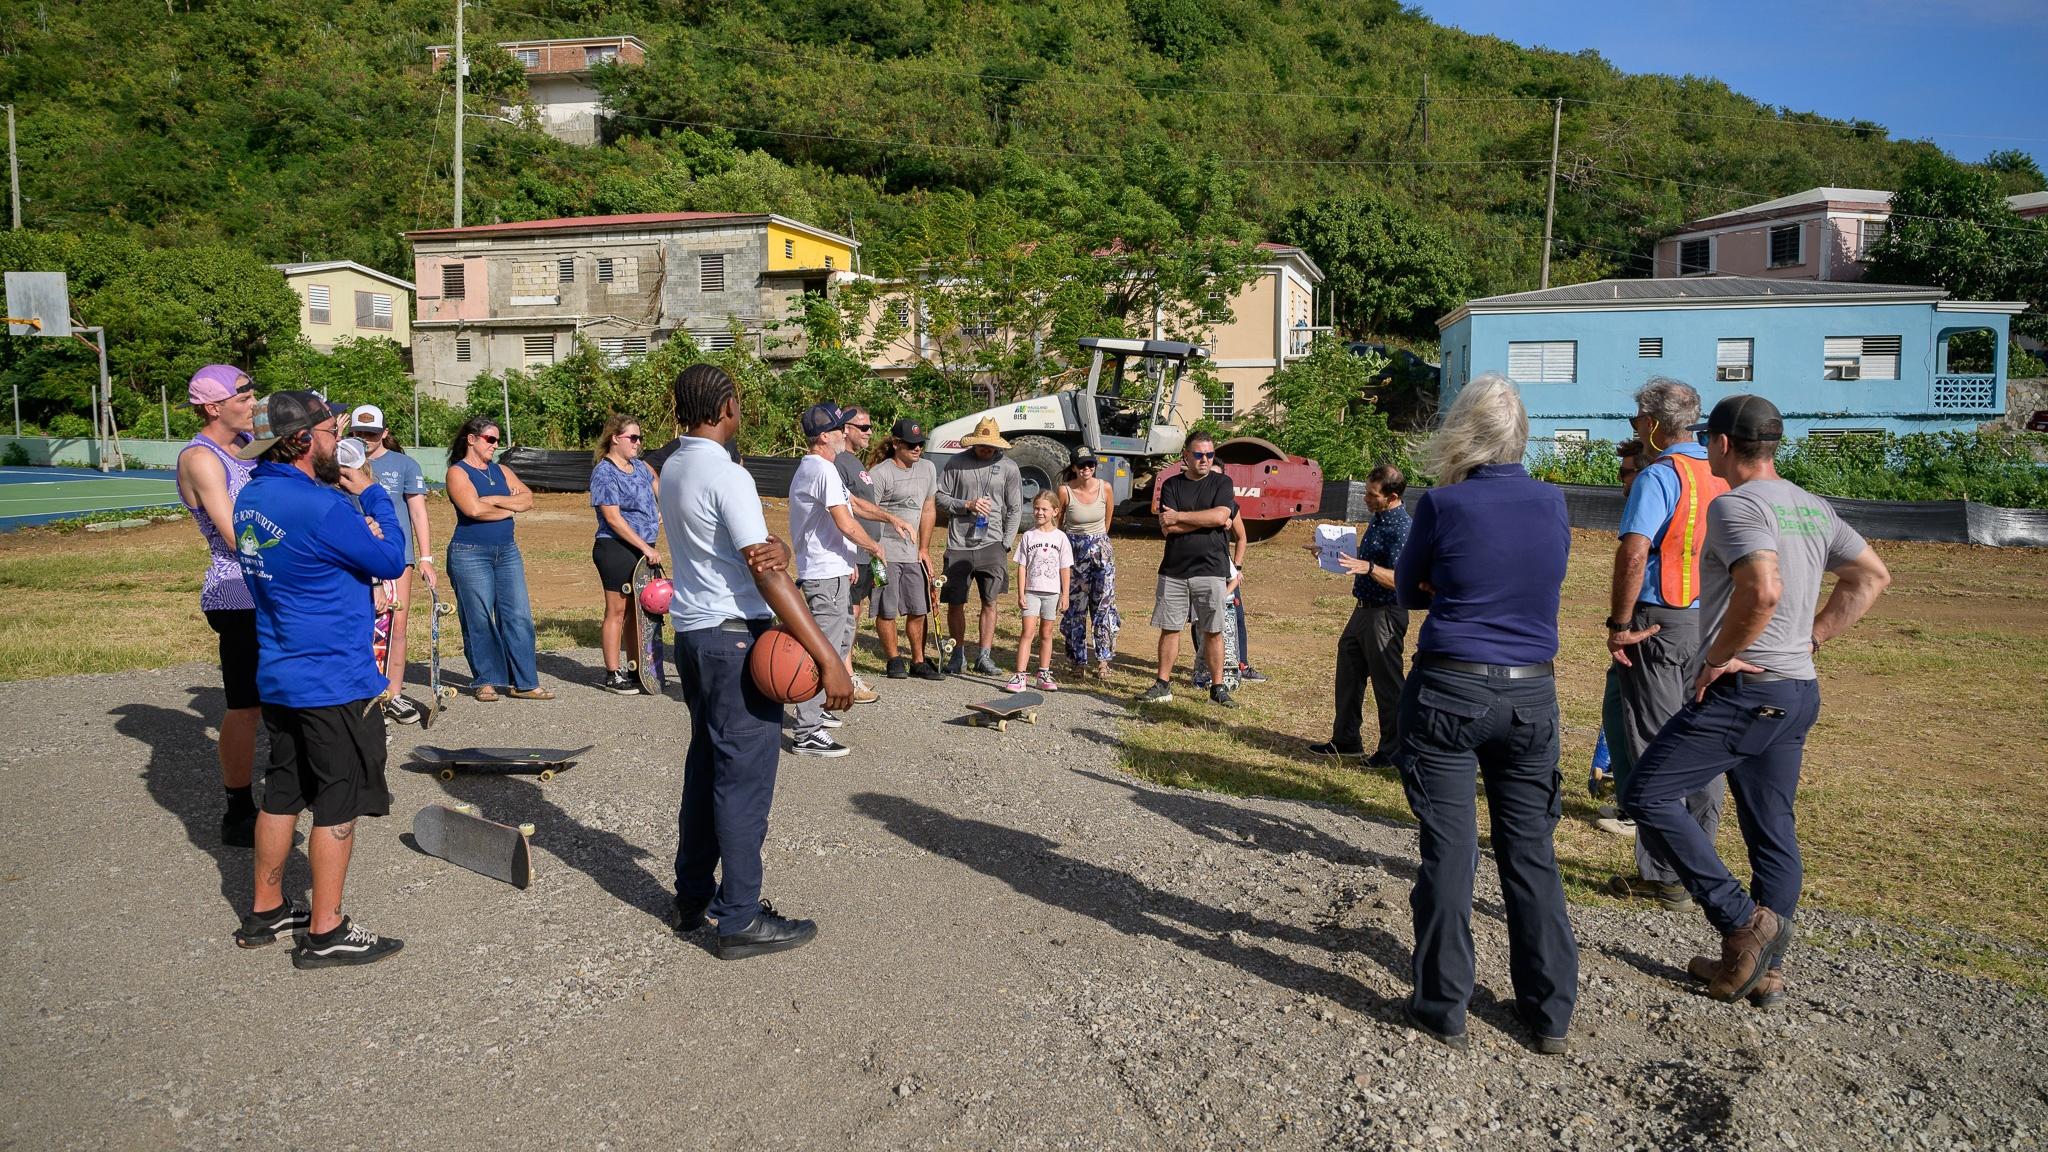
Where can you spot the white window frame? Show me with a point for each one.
(1224, 409)
(1735, 352)
(379, 319)
(595, 54)
(713, 339)
(711, 272)
(529, 58)
(620, 351)
(1868, 234)
(1557, 361)
(319, 304)
(1798, 230)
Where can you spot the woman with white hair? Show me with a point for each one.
(1486, 557)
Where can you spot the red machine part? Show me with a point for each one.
(1272, 487)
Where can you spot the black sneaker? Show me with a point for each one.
(768, 933)
(619, 682)
(1329, 748)
(925, 670)
(346, 945)
(957, 662)
(688, 920)
(1220, 696)
(238, 828)
(286, 919)
(899, 667)
(1159, 693)
(818, 744)
(399, 710)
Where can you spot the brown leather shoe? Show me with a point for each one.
(1747, 952)
(1767, 993)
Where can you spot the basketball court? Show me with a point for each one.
(39, 495)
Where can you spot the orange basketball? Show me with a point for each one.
(782, 669)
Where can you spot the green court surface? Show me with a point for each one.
(38, 495)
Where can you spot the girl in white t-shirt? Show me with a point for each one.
(1045, 569)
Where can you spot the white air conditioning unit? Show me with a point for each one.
(1732, 372)
(1851, 372)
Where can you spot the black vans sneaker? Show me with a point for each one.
(347, 944)
(257, 930)
(1220, 696)
(402, 711)
(619, 682)
(1159, 693)
(818, 744)
(926, 670)
(899, 667)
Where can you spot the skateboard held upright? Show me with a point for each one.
(645, 628)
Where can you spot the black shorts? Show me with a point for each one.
(237, 630)
(615, 560)
(986, 567)
(328, 759)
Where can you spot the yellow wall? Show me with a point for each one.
(342, 285)
(807, 251)
(1248, 334)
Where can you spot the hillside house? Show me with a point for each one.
(1818, 234)
(559, 86)
(516, 295)
(341, 298)
(1838, 359)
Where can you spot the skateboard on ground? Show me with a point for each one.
(542, 762)
(648, 648)
(436, 692)
(998, 713)
(458, 834)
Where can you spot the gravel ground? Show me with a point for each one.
(1020, 948)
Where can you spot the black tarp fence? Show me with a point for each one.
(1939, 521)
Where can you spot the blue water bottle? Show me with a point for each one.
(980, 523)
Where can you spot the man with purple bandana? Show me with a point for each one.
(210, 476)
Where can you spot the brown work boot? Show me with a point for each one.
(1747, 952)
(1767, 993)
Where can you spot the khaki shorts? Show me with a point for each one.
(1201, 599)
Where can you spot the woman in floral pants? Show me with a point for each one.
(1085, 511)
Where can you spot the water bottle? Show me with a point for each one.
(980, 523)
(878, 571)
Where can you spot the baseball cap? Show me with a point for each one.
(1743, 417)
(1085, 455)
(822, 418)
(283, 414)
(908, 431)
(367, 418)
(216, 382)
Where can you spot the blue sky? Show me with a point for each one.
(1971, 75)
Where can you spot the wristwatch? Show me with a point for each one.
(1614, 625)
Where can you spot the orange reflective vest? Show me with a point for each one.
(1678, 557)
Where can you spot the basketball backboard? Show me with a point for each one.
(44, 296)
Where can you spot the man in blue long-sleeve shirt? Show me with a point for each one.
(309, 558)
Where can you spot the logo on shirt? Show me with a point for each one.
(1801, 521)
(257, 534)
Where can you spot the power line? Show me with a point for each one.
(1762, 196)
(1830, 126)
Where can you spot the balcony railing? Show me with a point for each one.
(1299, 339)
(1966, 392)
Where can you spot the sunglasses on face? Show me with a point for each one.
(635, 437)
(1201, 455)
(488, 439)
(859, 427)
(913, 447)
(1084, 464)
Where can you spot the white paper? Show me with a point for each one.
(1332, 541)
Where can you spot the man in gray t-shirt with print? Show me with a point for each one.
(904, 485)
(1768, 543)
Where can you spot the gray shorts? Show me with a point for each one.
(1043, 605)
(827, 600)
(863, 582)
(906, 594)
(1200, 598)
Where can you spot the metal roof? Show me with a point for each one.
(309, 267)
(1690, 288)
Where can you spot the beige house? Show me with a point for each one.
(339, 298)
(518, 295)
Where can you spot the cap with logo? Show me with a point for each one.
(216, 382)
(908, 431)
(822, 418)
(1084, 457)
(283, 414)
(1743, 417)
(366, 418)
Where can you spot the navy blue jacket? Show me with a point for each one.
(309, 560)
(1493, 549)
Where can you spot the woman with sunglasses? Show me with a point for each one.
(486, 568)
(625, 493)
(1085, 503)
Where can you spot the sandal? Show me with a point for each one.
(532, 694)
(486, 693)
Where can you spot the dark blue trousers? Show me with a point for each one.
(728, 775)
(1451, 724)
(1754, 734)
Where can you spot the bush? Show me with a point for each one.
(15, 457)
(1321, 407)
(2002, 468)
(1593, 462)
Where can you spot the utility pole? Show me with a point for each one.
(1550, 202)
(1425, 111)
(461, 73)
(13, 171)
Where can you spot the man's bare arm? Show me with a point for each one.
(1858, 584)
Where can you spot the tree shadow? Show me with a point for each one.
(183, 777)
(1033, 866)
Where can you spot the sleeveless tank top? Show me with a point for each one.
(488, 480)
(1089, 519)
(223, 589)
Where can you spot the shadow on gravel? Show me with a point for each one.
(1649, 965)
(183, 777)
(609, 859)
(1033, 866)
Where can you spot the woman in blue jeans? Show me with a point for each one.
(485, 566)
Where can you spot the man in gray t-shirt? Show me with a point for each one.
(904, 485)
(860, 495)
(1768, 543)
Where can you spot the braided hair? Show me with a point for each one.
(701, 393)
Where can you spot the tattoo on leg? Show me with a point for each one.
(275, 875)
(342, 831)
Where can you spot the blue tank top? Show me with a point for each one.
(488, 481)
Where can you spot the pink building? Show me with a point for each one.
(1818, 234)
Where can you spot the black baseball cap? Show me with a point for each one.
(283, 414)
(908, 431)
(820, 419)
(1743, 417)
(1084, 455)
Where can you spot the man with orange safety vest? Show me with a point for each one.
(1653, 623)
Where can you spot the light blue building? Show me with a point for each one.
(1838, 359)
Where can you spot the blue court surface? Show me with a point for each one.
(39, 495)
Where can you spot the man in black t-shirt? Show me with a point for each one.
(1196, 509)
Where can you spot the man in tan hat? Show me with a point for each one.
(984, 494)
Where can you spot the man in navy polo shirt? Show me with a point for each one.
(309, 559)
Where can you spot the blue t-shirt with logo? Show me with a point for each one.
(400, 476)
